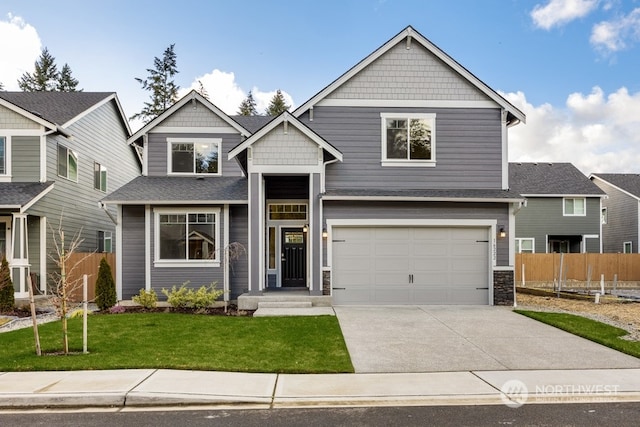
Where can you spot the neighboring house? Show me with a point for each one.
(620, 211)
(60, 153)
(562, 211)
(389, 186)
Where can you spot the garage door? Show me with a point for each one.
(417, 265)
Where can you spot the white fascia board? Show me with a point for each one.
(44, 192)
(106, 100)
(421, 199)
(564, 195)
(614, 186)
(397, 103)
(176, 129)
(176, 202)
(417, 37)
(193, 95)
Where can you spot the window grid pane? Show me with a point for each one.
(187, 236)
(3, 156)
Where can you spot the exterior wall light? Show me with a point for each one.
(324, 233)
(503, 233)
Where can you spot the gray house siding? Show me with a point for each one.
(468, 149)
(239, 232)
(543, 216)
(622, 223)
(166, 277)
(99, 137)
(12, 120)
(33, 235)
(25, 159)
(425, 210)
(133, 251)
(157, 151)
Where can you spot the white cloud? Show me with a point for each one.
(18, 56)
(559, 12)
(617, 34)
(595, 132)
(227, 95)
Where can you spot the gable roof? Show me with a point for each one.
(550, 179)
(21, 195)
(191, 96)
(253, 123)
(514, 114)
(627, 182)
(288, 118)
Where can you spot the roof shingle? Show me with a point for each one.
(55, 107)
(629, 182)
(551, 179)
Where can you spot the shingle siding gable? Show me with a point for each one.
(11, 120)
(408, 74)
(188, 116)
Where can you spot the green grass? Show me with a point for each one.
(184, 341)
(587, 328)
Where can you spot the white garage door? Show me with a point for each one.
(417, 265)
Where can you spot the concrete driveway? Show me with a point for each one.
(464, 338)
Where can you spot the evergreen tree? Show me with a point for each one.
(160, 83)
(106, 296)
(45, 76)
(66, 82)
(248, 106)
(277, 105)
(7, 300)
(1, 86)
(201, 90)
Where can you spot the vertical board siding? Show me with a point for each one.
(546, 267)
(133, 251)
(89, 264)
(25, 158)
(425, 210)
(622, 224)
(468, 149)
(239, 232)
(33, 236)
(543, 217)
(157, 151)
(99, 136)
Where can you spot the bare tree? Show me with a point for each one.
(65, 282)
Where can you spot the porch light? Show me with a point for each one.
(305, 228)
(324, 233)
(503, 233)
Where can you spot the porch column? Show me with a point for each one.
(256, 231)
(315, 226)
(19, 255)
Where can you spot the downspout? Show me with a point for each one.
(111, 217)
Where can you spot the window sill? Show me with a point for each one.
(409, 163)
(197, 175)
(186, 264)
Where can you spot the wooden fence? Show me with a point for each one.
(546, 267)
(88, 264)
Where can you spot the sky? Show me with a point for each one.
(572, 66)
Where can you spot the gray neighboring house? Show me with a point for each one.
(60, 154)
(562, 211)
(389, 186)
(620, 211)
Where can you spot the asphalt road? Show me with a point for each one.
(600, 414)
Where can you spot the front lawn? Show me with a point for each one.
(587, 328)
(185, 341)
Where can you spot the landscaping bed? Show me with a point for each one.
(616, 312)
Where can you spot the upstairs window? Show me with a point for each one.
(194, 156)
(3, 155)
(574, 207)
(408, 139)
(67, 163)
(105, 239)
(99, 177)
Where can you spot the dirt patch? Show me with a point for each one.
(623, 314)
(232, 310)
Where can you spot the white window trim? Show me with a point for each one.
(604, 215)
(624, 244)
(407, 162)
(106, 235)
(75, 154)
(533, 244)
(564, 199)
(157, 262)
(100, 173)
(6, 176)
(171, 141)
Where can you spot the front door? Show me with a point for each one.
(293, 257)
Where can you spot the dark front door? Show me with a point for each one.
(294, 258)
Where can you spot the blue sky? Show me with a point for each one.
(571, 65)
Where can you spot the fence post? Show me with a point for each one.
(602, 284)
(84, 313)
(524, 282)
(589, 270)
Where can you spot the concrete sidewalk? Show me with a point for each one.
(157, 388)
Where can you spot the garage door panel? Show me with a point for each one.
(410, 265)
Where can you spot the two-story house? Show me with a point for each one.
(60, 154)
(389, 186)
(562, 212)
(620, 211)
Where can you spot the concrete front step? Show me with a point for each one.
(296, 311)
(250, 302)
(284, 304)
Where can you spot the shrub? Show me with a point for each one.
(77, 313)
(117, 309)
(146, 299)
(178, 297)
(7, 301)
(106, 296)
(181, 297)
